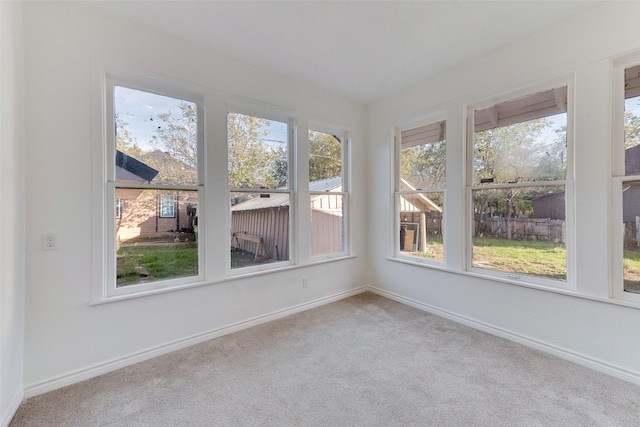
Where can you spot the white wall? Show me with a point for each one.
(12, 176)
(588, 329)
(66, 338)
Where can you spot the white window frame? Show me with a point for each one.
(518, 278)
(397, 163)
(345, 193)
(616, 290)
(105, 78)
(249, 110)
(166, 201)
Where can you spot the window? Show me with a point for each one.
(420, 192)
(167, 205)
(626, 187)
(518, 188)
(153, 161)
(118, 208)
(259, 191)
(328, 193)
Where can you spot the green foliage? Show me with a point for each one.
(178, 136)
(254, 162)
(423, 166)
(631, 123)
(632, 270)
(325, 156)
(512, 154)
(125, 142)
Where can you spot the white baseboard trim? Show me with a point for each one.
(580, 359)
(102, 368)
(7, 416)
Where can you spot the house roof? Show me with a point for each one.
(272, 200)
(170, 169)
(328, 184)
(130, 169)
(632, 82)
(531, 107)
(410, 202)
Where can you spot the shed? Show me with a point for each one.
(266, 215)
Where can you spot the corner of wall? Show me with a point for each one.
(12, 194)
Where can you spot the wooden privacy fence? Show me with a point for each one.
(521, 228)
(271, 225)
(631, 234)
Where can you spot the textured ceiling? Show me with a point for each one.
(357, 49)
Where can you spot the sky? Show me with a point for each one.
(633, 105)
(139, 110)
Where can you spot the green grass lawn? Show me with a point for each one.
(143, 263)
(147, 263)
(540, 258)
(632, 270)
(435, 249)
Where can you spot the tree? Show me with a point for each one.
(325, 156)
(175, 143)
(178, 136)
(254, 161)
(125, 142)
(513, 154)
(510, 154)
(553, 160)
(631, 123)
(423, 166)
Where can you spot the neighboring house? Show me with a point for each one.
(267, 216)
(552, 206)
(549, 206)
(149, 213)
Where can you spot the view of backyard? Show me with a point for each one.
(540, 258)
(517, 194)
(632, 270)
(156, 261)
(147, 261)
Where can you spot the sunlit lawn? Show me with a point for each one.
(435, 249)
(145, 263)
(632, 270)
(139, 264)
(540, 258)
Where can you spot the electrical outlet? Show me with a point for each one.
(49, 242)
(305, 283)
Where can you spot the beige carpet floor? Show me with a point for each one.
(362, 361)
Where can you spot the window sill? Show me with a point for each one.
(561, 291)
(227, 279)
